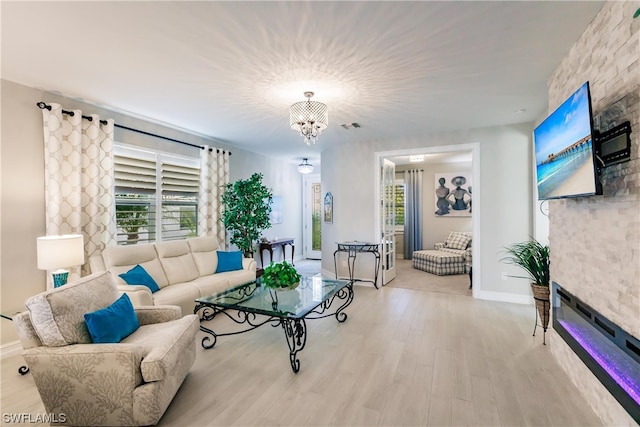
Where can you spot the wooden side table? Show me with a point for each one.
(274, 244)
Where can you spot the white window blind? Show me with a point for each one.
(180, 186)
(156, 196)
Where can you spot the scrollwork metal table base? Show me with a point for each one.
(22, 370)
(545, 304)
(295, 329)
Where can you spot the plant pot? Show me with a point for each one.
(279, 287)
(290, 287)
(541, 298)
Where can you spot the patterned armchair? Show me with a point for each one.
(129, 383)
(458, 242)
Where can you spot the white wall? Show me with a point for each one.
(506, 209)
(22, 185)
(284, 180)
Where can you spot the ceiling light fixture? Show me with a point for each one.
(309, 118)
(305, 167)
(414, 158)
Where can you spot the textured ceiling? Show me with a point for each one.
(230, 70)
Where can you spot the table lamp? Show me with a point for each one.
(60, 252)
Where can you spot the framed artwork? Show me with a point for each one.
(453, 194)
(275, 216)
(328, 207)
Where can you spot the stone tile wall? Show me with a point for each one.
(595, 241)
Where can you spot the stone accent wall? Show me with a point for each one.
(595, 241)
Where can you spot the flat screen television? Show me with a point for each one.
(565, 160)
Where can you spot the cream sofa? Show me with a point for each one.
(183, 269)
(129, 383)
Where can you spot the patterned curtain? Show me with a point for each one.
(214, 175)
(79, 186)
(413, 212)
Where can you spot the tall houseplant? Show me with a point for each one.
(246, 207)
(533, 257)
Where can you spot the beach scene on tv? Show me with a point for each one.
(564, 150)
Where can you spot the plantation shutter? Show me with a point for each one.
(180, 187)
(135, 189)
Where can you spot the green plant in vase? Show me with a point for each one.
(534, 258)
(246, 207)
(281, 275)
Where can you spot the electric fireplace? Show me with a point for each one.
(612, 354)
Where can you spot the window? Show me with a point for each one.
(156, 196)
(398, 205)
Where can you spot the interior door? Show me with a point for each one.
(388, 220)
(312, 214)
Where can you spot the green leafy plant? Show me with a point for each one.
(280, 275)
(531, 256)
(131, 218)
(246, 208)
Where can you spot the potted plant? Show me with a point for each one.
(533, 257)
(246, 207)
(281, 276)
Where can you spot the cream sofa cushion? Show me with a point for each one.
(209, 285)
(58, 315)
(181, 294)
(204, 254)
(120, 259)
(176, 261)
(163, 344)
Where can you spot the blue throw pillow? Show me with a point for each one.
(139, 276)
(113, 323)
(229, 261)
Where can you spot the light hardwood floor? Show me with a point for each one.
(404, 357)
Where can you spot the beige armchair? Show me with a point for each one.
(129, 383)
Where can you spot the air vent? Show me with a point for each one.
(350, 125)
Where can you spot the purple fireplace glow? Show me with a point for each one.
(607, 350)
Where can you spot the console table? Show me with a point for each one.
(22, 370)
(353, 248)
(274, 244)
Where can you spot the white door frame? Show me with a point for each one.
(307, 228)
(388, 242)
(474, 147)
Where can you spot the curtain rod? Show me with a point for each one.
(43, 105)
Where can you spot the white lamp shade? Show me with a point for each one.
(56, 252)
(305, 167)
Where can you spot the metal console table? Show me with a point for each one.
(353, 248)
(22, 370)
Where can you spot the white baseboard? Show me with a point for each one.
(10, 349)
(504, 297)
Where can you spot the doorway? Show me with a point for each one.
(312, 216)
(468, 153)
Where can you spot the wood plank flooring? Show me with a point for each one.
(405, 356)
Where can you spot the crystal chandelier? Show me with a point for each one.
(305, 167)
(309, 118)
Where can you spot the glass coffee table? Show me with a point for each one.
(253, 305)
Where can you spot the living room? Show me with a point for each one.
(582, 232)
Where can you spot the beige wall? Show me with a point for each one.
(436, 228)
(595, 241)
(505, 216)
(22, 185)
